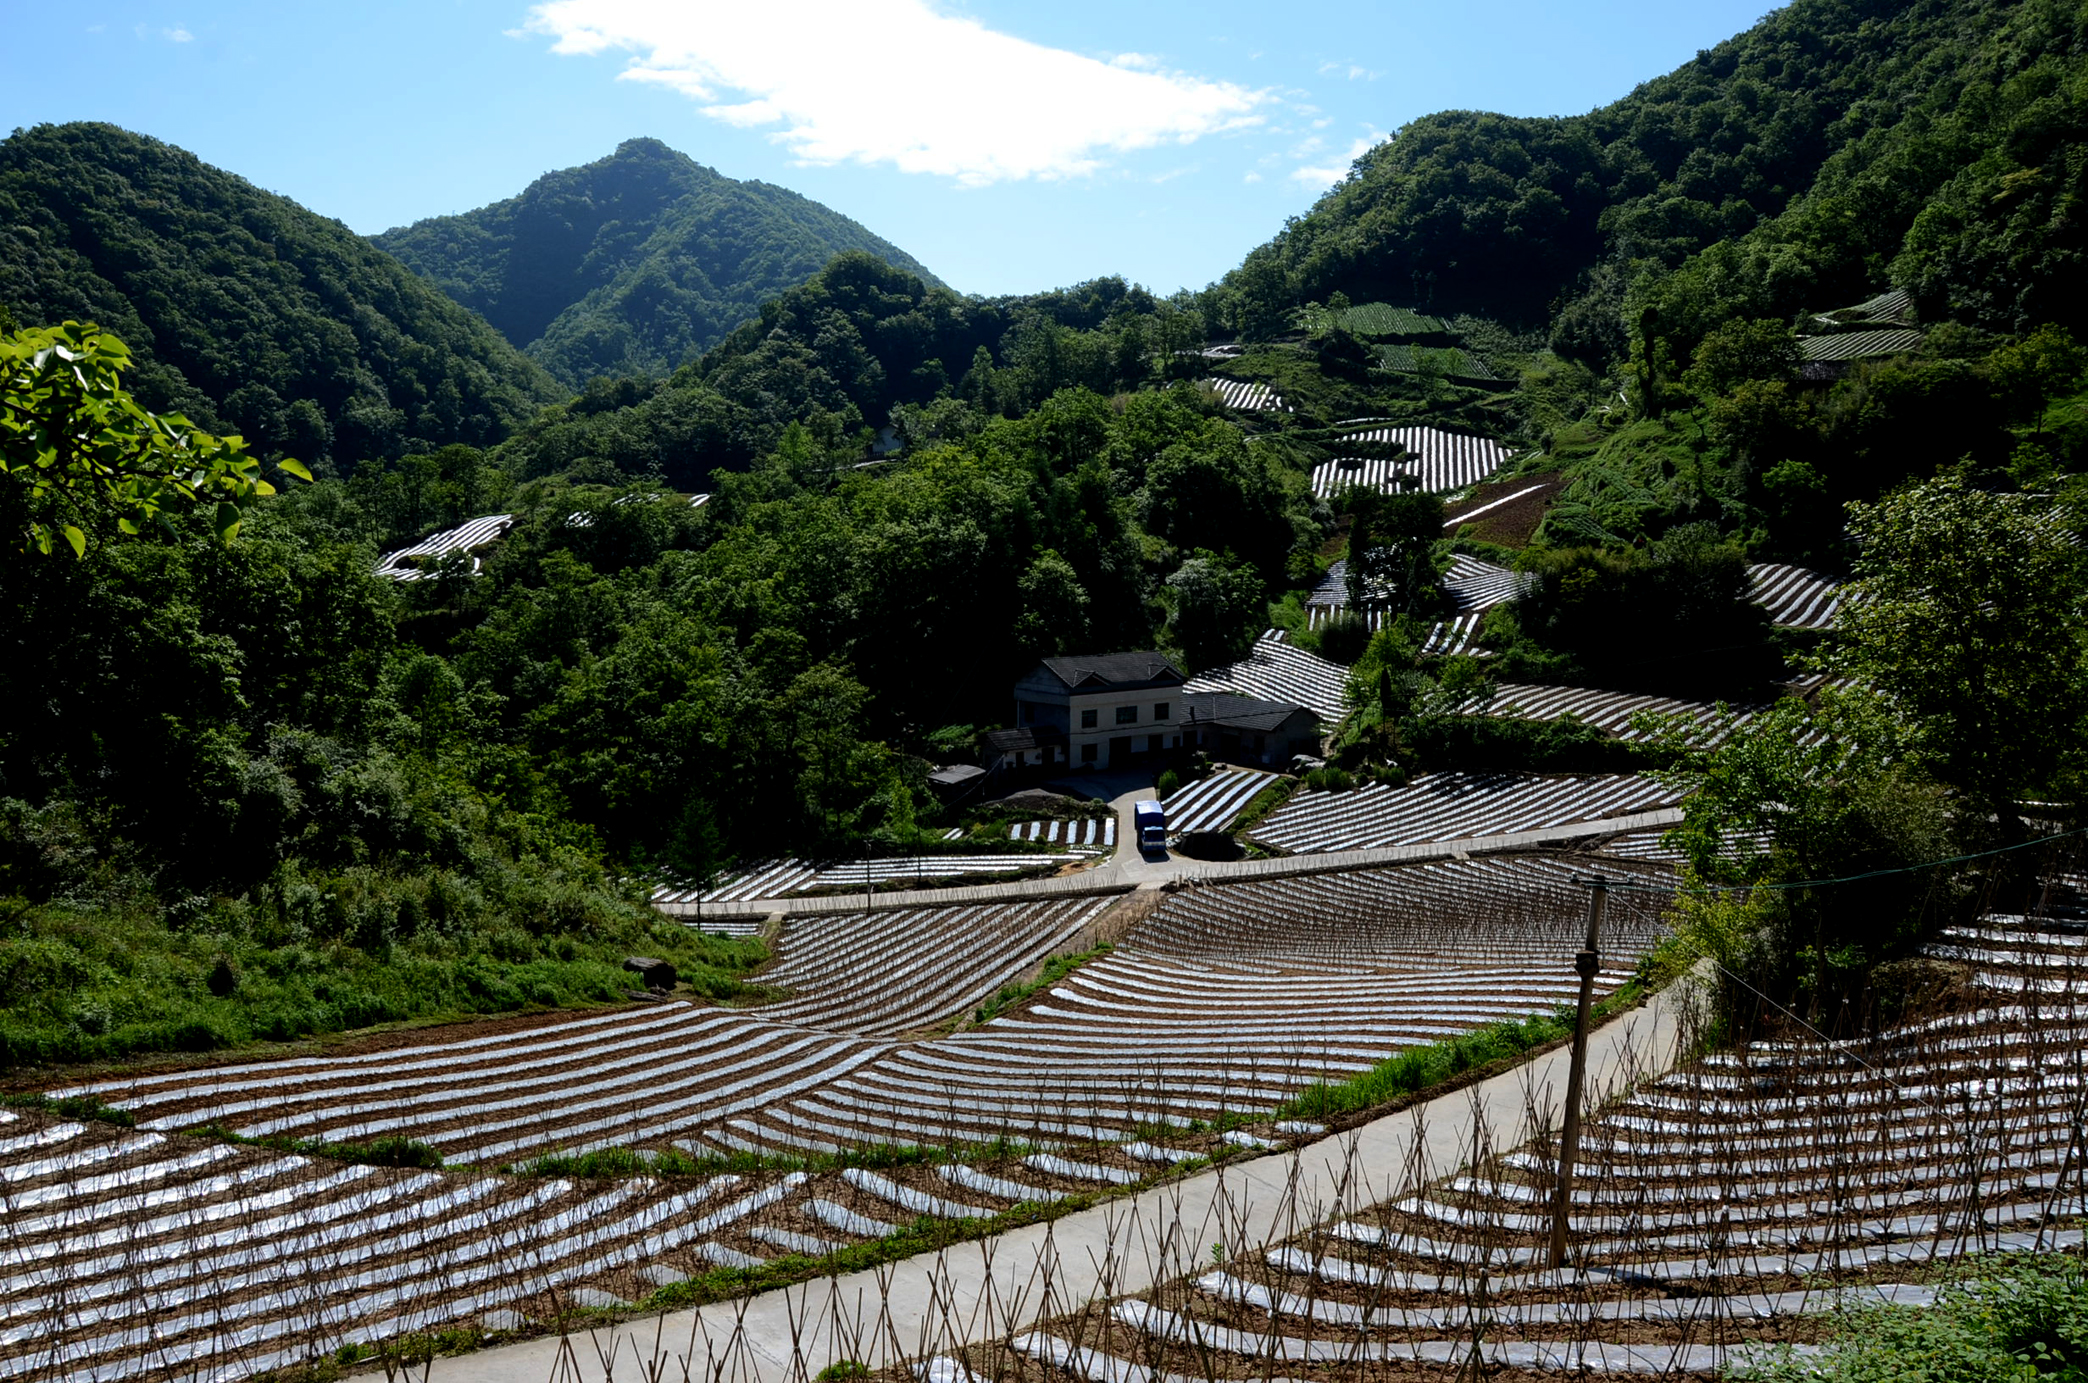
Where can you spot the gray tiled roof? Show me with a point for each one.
(1115, 671)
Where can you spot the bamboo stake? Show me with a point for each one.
(1588, 962)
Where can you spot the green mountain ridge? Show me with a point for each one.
(631, 264)
(1837, 147)
(246, 311)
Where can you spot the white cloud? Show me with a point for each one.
(1252, 177)
(894, 81)
(177, 34)
(1349, 70)
(1326, 175)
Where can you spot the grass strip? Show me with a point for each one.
(1055, 969)
(1263, 803)
(1420, 1069)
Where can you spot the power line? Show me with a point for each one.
(1856, 878)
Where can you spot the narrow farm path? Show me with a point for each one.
(970, 1294)
(1127, 869)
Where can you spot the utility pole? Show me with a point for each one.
(1587, 963)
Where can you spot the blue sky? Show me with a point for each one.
(1010, 147)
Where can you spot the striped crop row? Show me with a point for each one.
(1453, 806)
(1441, 461)
(1278, 670)
(1212, 804)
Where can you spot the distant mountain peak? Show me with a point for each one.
(633, 263)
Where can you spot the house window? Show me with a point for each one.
(1088, 722)
(1087, 751)
(1127, 715)
(1160, 710)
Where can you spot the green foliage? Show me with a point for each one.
(1675, 619)
(78, 452)
(1965, 622)
(1422, 1068)
(1343, 638)
(1167, 784)
(1788, 799)
(631, 264)
(1329, 780)
(1440, 743)
(1394, 564)
(2013, 1319)
(1827, 147)
(248, 314)
(1055, 969)
(1214, 610)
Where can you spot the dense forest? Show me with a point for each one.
(245, 311)
(1835, 146)
(632, 264)
(250, 789)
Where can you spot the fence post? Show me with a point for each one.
(1588, 962)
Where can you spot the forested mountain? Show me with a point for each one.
(631, 264)
(245, 310)
(1837, 147)
(862, 345)
(301, 796)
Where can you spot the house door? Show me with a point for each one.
(1119, 751)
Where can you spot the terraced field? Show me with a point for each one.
(1441, 461)
(1795, 597)
(149, 1252)
(1277, 670)
(1716, 1211)
(404, 565)
(786, 878)
(1212, 804)
(828, 1066)
(1607, 711)
(1089, 837)
(1453, 806)
(1248, 398)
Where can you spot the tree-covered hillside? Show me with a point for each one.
(631, 264)
(1837, 147)
(246, 311)
(861, 346)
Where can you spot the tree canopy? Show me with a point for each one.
(243, 311)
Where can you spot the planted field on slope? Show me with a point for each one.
(1212, 804)
(1454, 806)
(1716, 1210)
(1140, 1036)
(1223, 1004)
(1441, 461)
(1277, 670)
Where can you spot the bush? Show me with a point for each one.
(1343, 639)
(1542, 746)
(2003, 1319)
(1329, 780)
(1169, 784)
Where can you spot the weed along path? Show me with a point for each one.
(971, 1293)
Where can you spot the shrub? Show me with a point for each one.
(1329, 780)
(1169, 784)
(1343, 639)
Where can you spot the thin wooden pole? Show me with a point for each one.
(1588, 963)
